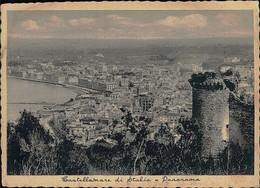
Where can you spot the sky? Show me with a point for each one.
(130, 24)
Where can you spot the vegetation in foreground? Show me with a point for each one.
(32, 151)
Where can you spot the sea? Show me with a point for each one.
(24, 91)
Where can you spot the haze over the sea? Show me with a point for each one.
(57, 43)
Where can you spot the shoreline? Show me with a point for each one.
(78, 90)
(13, 118)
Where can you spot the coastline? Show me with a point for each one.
(74, 88)
(13, 113)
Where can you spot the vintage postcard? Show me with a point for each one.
(130, 94)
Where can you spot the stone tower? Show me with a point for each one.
(210, 111)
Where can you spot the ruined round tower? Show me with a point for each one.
(210, 111)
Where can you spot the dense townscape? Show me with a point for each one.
(134, 114)
(161, 93)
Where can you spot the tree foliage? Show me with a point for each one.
(32, 151)
(167, 153)
(27, 145)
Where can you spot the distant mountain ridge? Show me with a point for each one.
(14, 43)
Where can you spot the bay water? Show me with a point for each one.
(24, 91)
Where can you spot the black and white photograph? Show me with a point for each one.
(130, 92)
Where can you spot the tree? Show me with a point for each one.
(127, 156)
(164, 135)
(14, 159)
(139, 129)
(41, 158)
(32, 151)
(28, 124)
(72, 159)
(235, 160)
(189, 143)
(29, 147)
